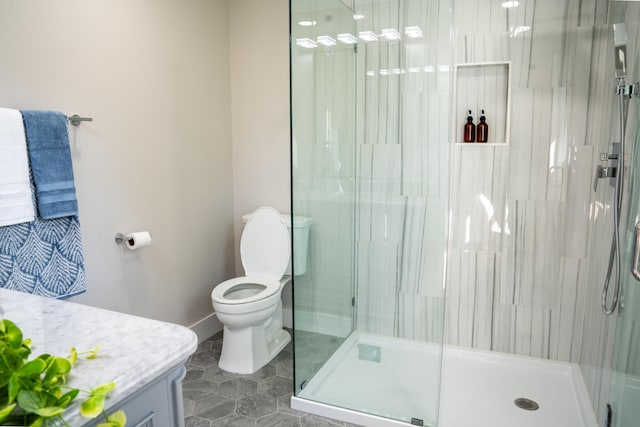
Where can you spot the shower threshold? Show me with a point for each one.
(479, 388)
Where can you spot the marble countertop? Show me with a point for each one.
(133, 350)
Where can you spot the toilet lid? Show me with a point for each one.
(265, 244)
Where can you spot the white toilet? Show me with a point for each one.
(250, 307)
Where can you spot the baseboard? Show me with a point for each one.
(206, 327)
(322, 323)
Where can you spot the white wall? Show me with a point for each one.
(154, 75)
(259, 31)
(259, 107)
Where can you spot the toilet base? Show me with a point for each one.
(248, 361)
(246, 350)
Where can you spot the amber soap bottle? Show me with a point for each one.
(482, 131)
(469, 129)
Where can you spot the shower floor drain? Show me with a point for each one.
(526, 404)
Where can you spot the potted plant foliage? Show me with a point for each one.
(33, 392)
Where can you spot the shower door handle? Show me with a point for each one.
(636, 254)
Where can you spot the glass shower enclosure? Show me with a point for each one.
(369, 105)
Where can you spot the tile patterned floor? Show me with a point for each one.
(214, 398)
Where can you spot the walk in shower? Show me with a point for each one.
(516, 232)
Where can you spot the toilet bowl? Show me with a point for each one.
(249, 307)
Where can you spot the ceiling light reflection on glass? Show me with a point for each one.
(347, 38)
(398, 71)
(368, 36)
(326, 40)
(519, 30)
(371, 73)
(358, 17)
(510, 3)
(413, 32)
(414, 69)
(391, 34)
(429, 69)
(306, 43)
(384, 72)
(307, 23)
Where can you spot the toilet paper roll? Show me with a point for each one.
(138, 240)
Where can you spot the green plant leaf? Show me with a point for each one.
(93, 353)
(49, 411)
(13, 387)
(93, 406)
(73, 356)
(4, 412)
(30, 401)
(31, 392)
(13, 335)
(67, 398)
(37, 423)
(95, 403)
(117, 419)
(103, 389)
(32, 369)
(56, 371)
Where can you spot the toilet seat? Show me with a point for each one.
(267, 287)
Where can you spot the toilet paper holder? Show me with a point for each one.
(120, 238)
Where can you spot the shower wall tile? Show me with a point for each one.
(522, 124)
(504, 328)
(424, 156)
(420, 317)
(578, 194)
(533, 252)
(376, 302)
(422, 259)
(480, 16)
(460, 298)
(532, 331)
(540, 142)
(469, 307)
(577, 82)
(547, 47)
(561, 343)
(479, 180)
(489, 47)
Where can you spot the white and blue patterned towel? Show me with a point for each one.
(43, 257)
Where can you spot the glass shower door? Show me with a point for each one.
(369, 102)
(625, 381)
(624, 395)
(323, 143)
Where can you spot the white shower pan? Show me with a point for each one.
(392, 381)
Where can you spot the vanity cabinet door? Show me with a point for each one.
(158, 404)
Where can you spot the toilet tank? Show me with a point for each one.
(301, 226)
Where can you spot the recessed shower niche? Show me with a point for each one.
(483, 86)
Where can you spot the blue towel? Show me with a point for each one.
(50, 156)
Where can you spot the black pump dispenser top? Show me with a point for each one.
(482, 117)
(469, 118)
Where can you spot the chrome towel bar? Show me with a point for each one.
(75, 120)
